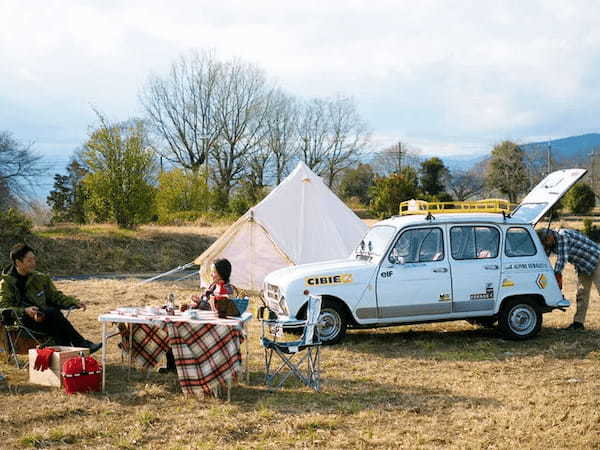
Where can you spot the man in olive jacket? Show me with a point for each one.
(32, 296)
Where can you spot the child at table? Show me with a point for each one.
(216, 297)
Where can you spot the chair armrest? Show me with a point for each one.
(8, 316)
(284, 323)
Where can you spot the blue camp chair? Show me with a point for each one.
(301, 357)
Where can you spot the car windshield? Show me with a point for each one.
(375, 242)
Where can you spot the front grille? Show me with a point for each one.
(273, 297)
(272, 292)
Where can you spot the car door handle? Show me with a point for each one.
(491, 267)
(440, 270)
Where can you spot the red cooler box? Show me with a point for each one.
(82, 374)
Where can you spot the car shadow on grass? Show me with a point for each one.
(350, 396)
(470, 344)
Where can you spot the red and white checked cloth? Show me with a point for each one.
(206, 355)
(149, 343)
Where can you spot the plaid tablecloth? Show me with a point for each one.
(207, 356)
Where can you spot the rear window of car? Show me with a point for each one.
(519, 243)
(474, 242)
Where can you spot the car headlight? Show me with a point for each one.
(283, 306)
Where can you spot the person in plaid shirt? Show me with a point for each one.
(572, 246)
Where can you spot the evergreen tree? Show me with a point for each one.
(434, 175)
(68, 195)
(507, 171)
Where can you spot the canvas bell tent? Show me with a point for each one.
(300, 221)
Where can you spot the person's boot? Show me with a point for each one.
(89, 345)
(575, 326)
(171, 367)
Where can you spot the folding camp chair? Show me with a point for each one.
(309, 343)
(17, 339)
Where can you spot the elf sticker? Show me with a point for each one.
(328, 279)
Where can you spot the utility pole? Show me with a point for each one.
(399, 157)
(548, 155)
(592, 166)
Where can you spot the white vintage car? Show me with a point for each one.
(417, 268)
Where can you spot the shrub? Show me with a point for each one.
(388, 192)
(181, 191)
(14, 224)
(591, 231)
(179, 218)
(580, 199)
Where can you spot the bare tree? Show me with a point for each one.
(539, 162)
(313, 131)
(281, 137)
(394, 158)
(19, 168)
(243, 103)
(182, 108)
(348, 136)
(464, 184)
(331, 134)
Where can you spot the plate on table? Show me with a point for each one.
(127, 310)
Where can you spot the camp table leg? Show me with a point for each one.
(130, 349)
(103, 356)
(247, 353)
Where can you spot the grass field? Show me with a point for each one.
(97, 249)
(448, 385)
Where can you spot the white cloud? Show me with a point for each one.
(452, 77)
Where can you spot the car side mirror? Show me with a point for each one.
(395, 258)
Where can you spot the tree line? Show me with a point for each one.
(215, 134)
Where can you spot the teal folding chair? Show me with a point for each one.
(300, 357)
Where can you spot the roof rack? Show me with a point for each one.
(492, 205)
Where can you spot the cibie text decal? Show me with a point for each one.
(329, 279)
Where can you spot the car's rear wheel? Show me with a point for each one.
(332, 322)
(520, 318)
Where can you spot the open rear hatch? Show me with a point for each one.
(546, 194)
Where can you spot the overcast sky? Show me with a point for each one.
(447, 77)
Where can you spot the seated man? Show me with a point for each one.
(31, 295)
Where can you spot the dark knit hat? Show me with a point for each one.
(223, 268)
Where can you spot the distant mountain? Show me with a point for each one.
(574, 147)
(463, 162)
(569, 148)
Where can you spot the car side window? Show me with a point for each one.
(418, 245)
(474, 242)
(519, 243)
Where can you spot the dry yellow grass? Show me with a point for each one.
(448, 385)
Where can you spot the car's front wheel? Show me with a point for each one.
(485, 322)
(332, 322)
(520, 318)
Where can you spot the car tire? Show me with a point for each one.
(332, 322)
(520, 318)
(485, 322)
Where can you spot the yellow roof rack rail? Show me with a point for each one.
(493, 205)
